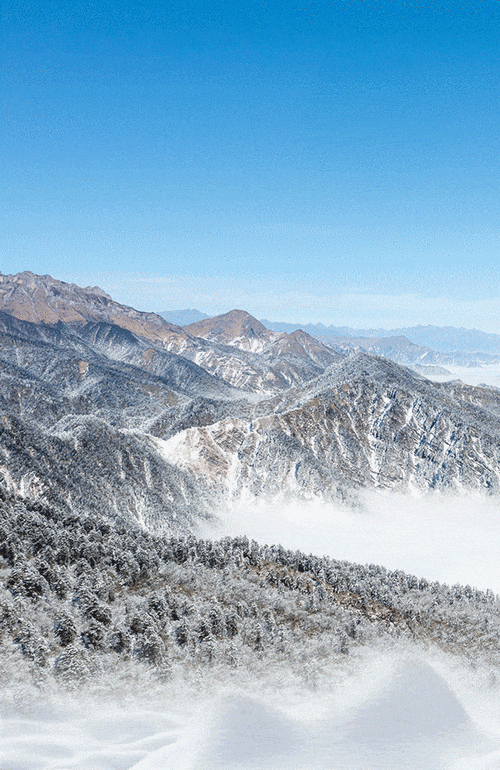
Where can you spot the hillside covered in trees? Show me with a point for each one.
(83, 601)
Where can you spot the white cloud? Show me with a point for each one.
(448, 538)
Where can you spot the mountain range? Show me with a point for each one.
(445, 339)
(108, 408)
(426, 349)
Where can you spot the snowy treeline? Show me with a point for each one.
(80, 597)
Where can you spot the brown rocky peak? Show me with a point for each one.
(30, 282)
(231, 327)
(43, 299)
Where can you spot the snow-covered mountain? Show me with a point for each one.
(123, 438)
(365, 422)
(236, 328)
(79, 379)
(246, 354)
(143, 339)
(224, 404)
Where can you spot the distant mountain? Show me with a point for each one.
(446, 339)
(182, 317)
(403, 351)
(449, 339)
(236, 328)
(241, 330)
(250, 356)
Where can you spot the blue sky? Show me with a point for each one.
(310, 160)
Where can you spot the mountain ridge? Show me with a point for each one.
(444, 339)
(234, 408)
(363, 423)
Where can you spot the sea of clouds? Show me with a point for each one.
(444, 537)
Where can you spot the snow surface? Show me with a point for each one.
(413, 720)
(390, 714)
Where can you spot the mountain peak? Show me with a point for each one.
(29, 280)
(183, 317)
(237, 328)
(43, 299)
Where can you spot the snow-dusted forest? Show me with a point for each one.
(194, 653)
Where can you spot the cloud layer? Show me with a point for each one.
(448, 538)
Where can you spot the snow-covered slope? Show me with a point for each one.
(363, 423)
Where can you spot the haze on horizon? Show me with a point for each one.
(327, 161)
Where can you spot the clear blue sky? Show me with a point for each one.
(324, 160)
